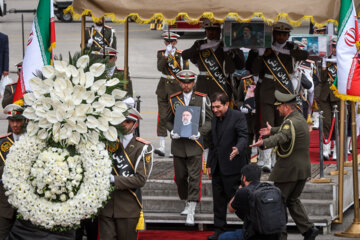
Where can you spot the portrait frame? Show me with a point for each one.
(316, 44)
(181, 126)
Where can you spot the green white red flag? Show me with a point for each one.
(40, 43)
(347, 83)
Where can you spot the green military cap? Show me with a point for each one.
(282, 98)
(14, 112)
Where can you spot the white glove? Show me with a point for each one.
(244, 110)
(261, 51)
(174, 135)
(112, 178)
(168, 50)
(172, 52)
(195, 137)
(90, 42)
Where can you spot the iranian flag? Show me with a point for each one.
(348, 68)
(40, 43)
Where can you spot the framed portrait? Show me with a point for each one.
(316, 45)
(247, 35)
(186, 122)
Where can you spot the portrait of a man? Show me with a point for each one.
(187, 121)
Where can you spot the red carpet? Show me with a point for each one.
(314, 148)
(173, 235)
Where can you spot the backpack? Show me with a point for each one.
(267, 213)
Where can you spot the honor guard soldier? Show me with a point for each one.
(327, 99)
(291, 141)
(17, 126)
(169, 63)
(100, 36)
(10, 89)
(209, 56)
(122, 216)
(188, 151)
(275, 67)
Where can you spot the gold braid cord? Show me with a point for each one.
(287, 152)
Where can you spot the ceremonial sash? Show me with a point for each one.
(4, 148)
(249, 85)
(173, 66)
(99, 39)
(174, 103)
(332, 71)
(214, 69)
(279, 72)
(124, 167)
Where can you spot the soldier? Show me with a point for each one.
(17, 126)
(275, 68)
(132, 166)
(209, 56)
(292, 168)
(10, 89)
(187, 151)
(100, 36)
(327, 99)
(169, 63)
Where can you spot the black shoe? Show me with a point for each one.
(215, 235)
(159, 152)
(311, 233)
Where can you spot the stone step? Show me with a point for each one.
(168, 188)
(172, 204)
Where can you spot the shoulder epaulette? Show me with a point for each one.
(175, 94)
(11, 84)
(107, 26)
(5, 135)
(139, 139)
(179, 51)
(200, 94)
(160, 50)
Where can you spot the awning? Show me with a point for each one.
(319, 12)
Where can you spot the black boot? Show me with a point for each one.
(311, 233)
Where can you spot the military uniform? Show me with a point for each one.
(187, 153)
(292, 167)
(9, 94)
(109, 38)
(119, 217)
(7, 213)
(205, 83)
(167, 86)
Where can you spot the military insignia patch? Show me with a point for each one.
(148, 158)
(206, 53)
(176, 104)
(286, 127)
(113, 147)
(5, 146)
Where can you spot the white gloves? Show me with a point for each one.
(90, 42)
(169, 48)
(244, 110)
(112, 178)
(195, 137)
(261, 51)
(174, 135)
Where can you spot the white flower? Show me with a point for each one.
(83, 61)
(32, 128)
(120, 106)
(107, 100)
(117, 117)
(29, 98)
(74, 138)
(118, 94)
(112, 82)
(62, 69)
(92, 122)
(89, 79)
(97, 69)
(36, 83)
(99, 86)
(111, 134)
(42, 134)
(29, 113)
(103, 124)
(48, 71)
(74, 72)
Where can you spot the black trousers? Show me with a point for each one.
(223, 188)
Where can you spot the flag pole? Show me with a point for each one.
(353, 230)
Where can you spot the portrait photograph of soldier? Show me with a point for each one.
(186, 121)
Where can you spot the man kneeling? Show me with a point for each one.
(245, 205)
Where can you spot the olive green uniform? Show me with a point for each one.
(269, 84)
(187, 153)
(7, 213)
(9, 94)
(119, 217)
(166, 87)
(327, 100)
(204, 82)
(109, 37)
(290, 172)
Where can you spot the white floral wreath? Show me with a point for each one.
(73, 108)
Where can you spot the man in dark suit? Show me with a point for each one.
(226, 157)
(4, 55)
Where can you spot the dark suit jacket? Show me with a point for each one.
(235, 134)
(4, 53)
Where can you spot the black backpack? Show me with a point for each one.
(267, 213)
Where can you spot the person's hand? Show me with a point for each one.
(90, 42)
(5, 73)
(244, 110)
(208, 173)
(173, 51)
(234, 152)
(174, 135)
(112, 178)
(265, 131)
(261, 51)
(258, 143)
(195, 137)
(168, 50)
